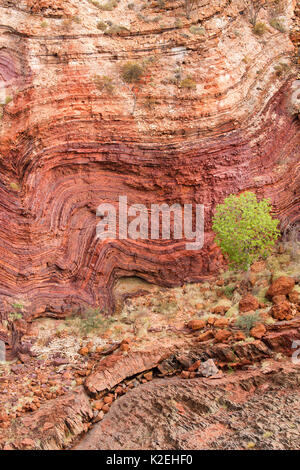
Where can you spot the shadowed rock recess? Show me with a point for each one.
(67, 145)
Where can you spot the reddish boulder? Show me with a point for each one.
(239, 336)
(196, 324)
(278, 299)
(220, 309)
(205, 336)
(294, 297)
(258, 331)
(221, 322)
(283, 311)
(248, 303)
(221, 336)
(281, 286)
(282, 341)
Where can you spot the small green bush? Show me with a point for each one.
(91, 321)
(104, 83)
(101, 25)
(276, 24)
(14, 186)
(115, 29)
(245, 229)
(188, 83)
(197, 30)
(259, 28)
(281, 69)
(246, 322)
(178, 23)
(228, 291)
(108, 6)
(132, 72)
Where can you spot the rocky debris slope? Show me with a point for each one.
(212, 116)
(241, 411)
(207, 376)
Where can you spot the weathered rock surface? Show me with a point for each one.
(54, 425)
(227, 413)
(247, 303)
(116, 368)
(281, 286)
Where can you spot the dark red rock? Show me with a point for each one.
(247, 303)
(281, 286)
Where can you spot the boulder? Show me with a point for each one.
(294, 297)
(208, 368)
(221, 336)
(283, 311)
(281, 286)
(220, 309)
(247, 303)
(221, 322)
(205, 336)
(278, 299)
(196, 324)
(258, 331)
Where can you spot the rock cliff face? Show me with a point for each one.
(69, 143)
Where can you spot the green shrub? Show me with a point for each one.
(14, 186)
(101, 25)
(245, 229)
(188, 83)
(197, 30)
(228, 291)
(115, 29)
(281, 69)
(108, 6)
(104, 83)
(247, 321)
(276, 24)
(259, 28)
(132, 72)
(92, 320)
(178, 23)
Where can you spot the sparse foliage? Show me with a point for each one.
(189, 6)
(277, 24)
(132, 74)
(91, 321)
(253, 9)
(104, 83)
(188, 83)
(247, 321)
(259, 28)
(245, 229)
